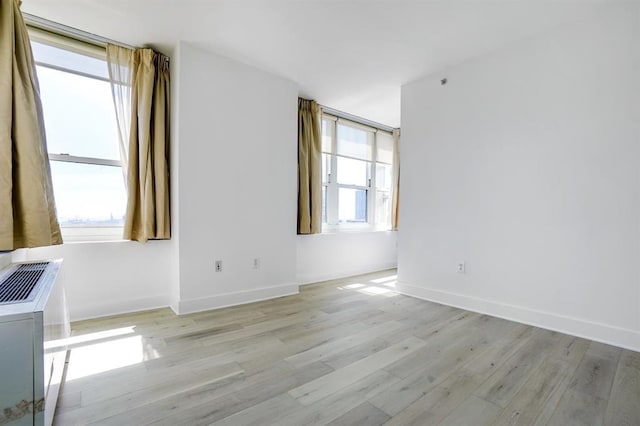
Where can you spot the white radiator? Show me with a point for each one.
(34, 327)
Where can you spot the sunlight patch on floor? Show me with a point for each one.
(385, 279)
(353, 286)
(376, 291)
(384, 286)
(105, 356)
(89, 337)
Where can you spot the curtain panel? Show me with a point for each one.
(27, 207)
(309, 167)
(395, 197)
(140, 88)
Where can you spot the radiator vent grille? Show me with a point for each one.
(18, 286)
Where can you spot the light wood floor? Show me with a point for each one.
(342, 352)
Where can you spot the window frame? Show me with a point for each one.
(78, 233)
(332, 187)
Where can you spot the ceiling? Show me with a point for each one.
(349, 55)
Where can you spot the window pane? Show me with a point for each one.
(326, 167)
(384, 145)
(327, 134)
(66, 59)
(353, 172)
(88, 195)
(354, 142)
(383, 209)
(352, 205)
(79, 115)
(383, 176)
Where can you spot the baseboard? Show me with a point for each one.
(233, 299)
(622, 337)
(183, 306)
(80, 312)
(313, 279)
(175, 306)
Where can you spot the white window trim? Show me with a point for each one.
(77, 234)
(84, 160)
(332, 225)
(93, 234)
(65, 42)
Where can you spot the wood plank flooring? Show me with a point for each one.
(343, 352)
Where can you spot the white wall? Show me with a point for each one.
(233, 188)
(110, 277)
(233, 175)
(237, 182)
(526, 165)
(328, 256)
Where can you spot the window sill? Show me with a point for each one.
(91, 234)
(353, 230)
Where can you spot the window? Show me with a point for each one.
(356, 175)
(82, 137)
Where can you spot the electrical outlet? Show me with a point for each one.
(218, 265)
(256, 263)
(460, 267)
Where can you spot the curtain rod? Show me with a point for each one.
(351, 117)
(64, 30)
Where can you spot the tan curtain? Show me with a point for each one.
(27, 208)
(395, 197)
(140, 87)
(309, 167)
